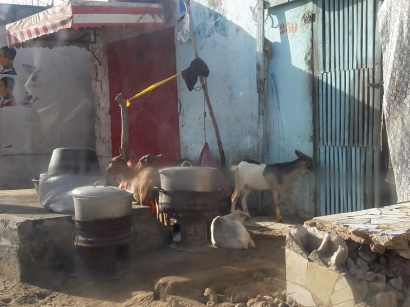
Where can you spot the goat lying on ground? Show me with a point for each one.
(228, 232)
(252, 175)
(141, 180)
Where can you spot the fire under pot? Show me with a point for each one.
(189, 194)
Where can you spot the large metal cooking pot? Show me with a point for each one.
(196, 179)
(99, 202)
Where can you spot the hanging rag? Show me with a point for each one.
(197, 68)
(205, 159)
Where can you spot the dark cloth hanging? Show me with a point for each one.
(197, 68)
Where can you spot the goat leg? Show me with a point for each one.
(275, 194)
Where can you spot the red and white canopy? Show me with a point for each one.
(84, 14)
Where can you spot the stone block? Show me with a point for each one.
(342, 296)
(346, 304)
(321, 281)
(296, 267)
(341, 283)
(406, 302)
(386, 299)
(300, 295)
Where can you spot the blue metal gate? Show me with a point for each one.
(349, 105)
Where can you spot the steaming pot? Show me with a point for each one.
(99, 202)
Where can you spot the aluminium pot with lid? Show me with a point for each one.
(99, 202)
(194, 178)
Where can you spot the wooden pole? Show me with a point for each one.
(205, 89)
(124, 126)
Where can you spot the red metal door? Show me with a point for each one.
(133, 65)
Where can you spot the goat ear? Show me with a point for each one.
(298, 153)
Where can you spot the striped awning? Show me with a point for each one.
(75, 15)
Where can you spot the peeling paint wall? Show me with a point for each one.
(289, 90)
(226, 41)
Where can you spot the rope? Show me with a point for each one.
(150, 88)
(204, 122)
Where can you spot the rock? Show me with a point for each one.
(406, 302)
(396, 283)
(339, 257)
(240, 305)
(382, 260)
(277, 301)
(365, 256)
(252, 302)
(283, 298)
(283, 304)
(386, 299)
(212, 297)
(265, 304)
(376, 287)
(362, 265)
(399, 295)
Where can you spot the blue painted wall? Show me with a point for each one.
(289, 93)
(225, 35)
(226, 39)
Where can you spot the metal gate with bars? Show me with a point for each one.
(349, 105)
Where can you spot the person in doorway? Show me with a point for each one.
(7, 56)
(6, 91)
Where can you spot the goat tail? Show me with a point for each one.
(238, 184)
(233, 168)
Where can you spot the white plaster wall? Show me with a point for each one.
(289, 94)
(61, 112)
(225, 35)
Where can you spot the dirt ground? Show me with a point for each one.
(133, 284)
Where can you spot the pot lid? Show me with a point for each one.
(191, 169)
(99, 190)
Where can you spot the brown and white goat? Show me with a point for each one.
(141, 180)
(252, 175)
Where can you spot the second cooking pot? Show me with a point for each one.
(196, 179)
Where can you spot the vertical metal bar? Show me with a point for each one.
(348, 127)
(328, 180)
(368, 111)
(344, 180)
(349, 178)
(346, 15)
(341, 34)
(333, 181)
(354, 180)
(321, 111)
(333, 102)
(320, 41)
(354, 38)
(352, 108)
(332, 50)
(337, 179)
(359, 44)
(360, 105)
(361, 187)
(327, 36)
(322, 167)
(351, 32)
(356, 108)
(328, 103)
(370, 30)
(343, 114)
(338, 93)
(337, 51)
(365, 35)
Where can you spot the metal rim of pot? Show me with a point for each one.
(99, 189)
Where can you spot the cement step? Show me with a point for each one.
(36, 243)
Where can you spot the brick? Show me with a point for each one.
(342, 296)
(321, 281)
(300, 295)
(296, 267)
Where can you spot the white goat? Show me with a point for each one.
(252, 175)
(228, 232)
